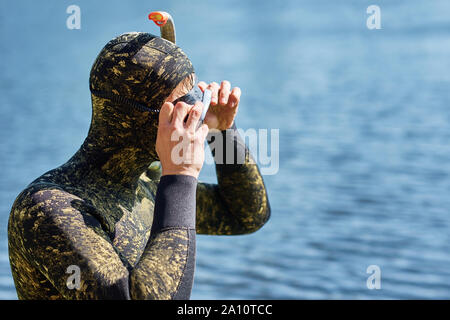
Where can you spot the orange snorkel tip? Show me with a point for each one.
(165, 23)
(159, 17)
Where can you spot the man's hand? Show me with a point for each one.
(224, 104)
(179, 145)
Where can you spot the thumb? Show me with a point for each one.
(165, 115)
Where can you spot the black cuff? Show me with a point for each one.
(231, 149)
(175, 203)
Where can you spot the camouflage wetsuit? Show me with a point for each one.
(130, 231)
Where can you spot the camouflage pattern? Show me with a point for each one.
(96, 210)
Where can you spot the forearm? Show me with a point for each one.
(240, 184)
(166, 268)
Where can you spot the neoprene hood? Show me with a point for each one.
(129, 81)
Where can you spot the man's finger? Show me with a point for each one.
(225, 87)
(202, 85)
(166, 112)
(234, 98)
(179, 113)
(194, 116)
(214, 87)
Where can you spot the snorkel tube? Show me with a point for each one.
(166, 24)
(165, 21)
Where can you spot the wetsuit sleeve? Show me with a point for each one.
(69, 248)
(238, 204)
(170, 254)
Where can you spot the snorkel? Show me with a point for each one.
(165, 22)
(167, 28)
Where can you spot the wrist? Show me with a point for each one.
(183, 172)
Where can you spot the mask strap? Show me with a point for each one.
(124, 101)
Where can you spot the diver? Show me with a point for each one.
(127, 224)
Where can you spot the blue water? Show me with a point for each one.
(364, 121)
